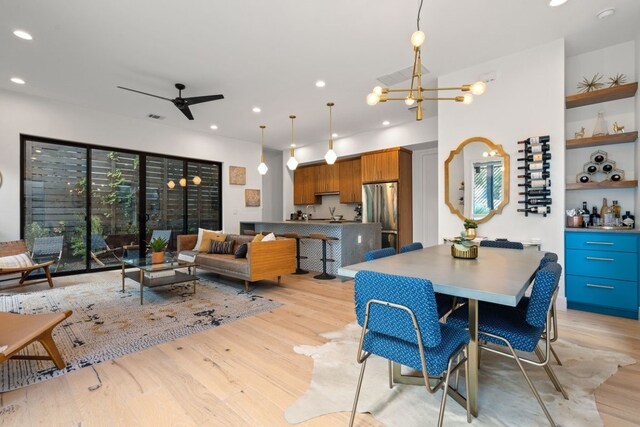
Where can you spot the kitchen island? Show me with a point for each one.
(354, 240)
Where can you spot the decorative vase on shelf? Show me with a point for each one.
(600, 128)
(470, 233)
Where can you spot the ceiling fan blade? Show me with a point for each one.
(144, 93)
(185, 110)
(199, 99)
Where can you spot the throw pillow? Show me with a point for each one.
(269, 237)
(258, 238)
(242, 250)
(218, 247)
(16, 261)
(209, 236)
(199, 241)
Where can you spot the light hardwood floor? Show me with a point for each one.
(246, 372)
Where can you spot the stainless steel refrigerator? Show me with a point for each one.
(380, 204)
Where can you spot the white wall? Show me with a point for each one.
(612, 60)
(271, 185)
(526, 99)
(396, 136)
(41, 117)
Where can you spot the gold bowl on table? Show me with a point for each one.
(469, 253)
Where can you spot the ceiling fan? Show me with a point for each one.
(180, 102)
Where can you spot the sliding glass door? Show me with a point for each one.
(86, 206)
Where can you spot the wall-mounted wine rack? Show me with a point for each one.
(537, 182)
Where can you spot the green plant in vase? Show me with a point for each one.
(157, 245)
(470, 227)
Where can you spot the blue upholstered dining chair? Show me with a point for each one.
(379, 253)
(514, 329)
(524, 304)
(411, 247)
(400, 323)
(504, 244)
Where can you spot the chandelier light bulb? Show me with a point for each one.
(417, 38)
(330, 157)
(478, 88)
(409, 100)
(183, 182)
(373, 99)
(292, 163)
(197, 180)
(468, 99)
(262, 168)
(377, 90)
(171, 184)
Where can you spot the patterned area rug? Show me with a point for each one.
(107, 323)
(504, 398)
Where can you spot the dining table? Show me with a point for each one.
(499, 276)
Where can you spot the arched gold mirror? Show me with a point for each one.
(476, 179)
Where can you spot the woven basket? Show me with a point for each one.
(471, 253)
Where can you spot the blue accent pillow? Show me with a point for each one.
(241, 252)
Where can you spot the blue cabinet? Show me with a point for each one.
(601, 273)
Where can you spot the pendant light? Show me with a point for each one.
(331, 155)
(292, 163)
(262, 167)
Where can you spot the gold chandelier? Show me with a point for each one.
(415, 94)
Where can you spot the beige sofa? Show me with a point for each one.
(265, 260)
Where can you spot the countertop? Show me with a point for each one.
(602, 230)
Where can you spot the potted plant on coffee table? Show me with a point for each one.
(157, 245)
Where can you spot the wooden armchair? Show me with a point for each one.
(19, 330)
(25, 268)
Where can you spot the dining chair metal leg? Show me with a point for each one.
(466, 382)
(355, 400)
(390, 374)
(445, 390)
(551, 374)
(555, 355)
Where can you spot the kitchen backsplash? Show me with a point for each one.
(328, 201)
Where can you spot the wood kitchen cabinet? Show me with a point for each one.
(384, 165)
(327, 178)
(304, 179)
(350, 181)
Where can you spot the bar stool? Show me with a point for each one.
(298, 256)
(325, 260)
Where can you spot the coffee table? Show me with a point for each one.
(160, 274)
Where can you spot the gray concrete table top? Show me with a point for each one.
(498, 275)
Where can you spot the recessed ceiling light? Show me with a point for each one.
(320, 83)
(17, 80)
(256, 109)
(606, 13)
(334, 135)
(214, 127)
(22, 34)
(554, 3)
(386, 123)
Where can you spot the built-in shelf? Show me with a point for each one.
(616, 138)
(601, 185)
(602, 95)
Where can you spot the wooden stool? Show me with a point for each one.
(325, 260)
(298, 256)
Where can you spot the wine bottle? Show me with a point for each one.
(537, 201)
(616, 209)
(535, 157)
(537, 209)
(536, 175)
(536, 192)
(537, 148)
(536, 140)
(537, 183)
(594, 218)
(536, 166)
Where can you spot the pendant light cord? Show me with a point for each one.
(418, 20)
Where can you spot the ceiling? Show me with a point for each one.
(270, 54)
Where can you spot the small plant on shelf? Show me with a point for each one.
(470, 227)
